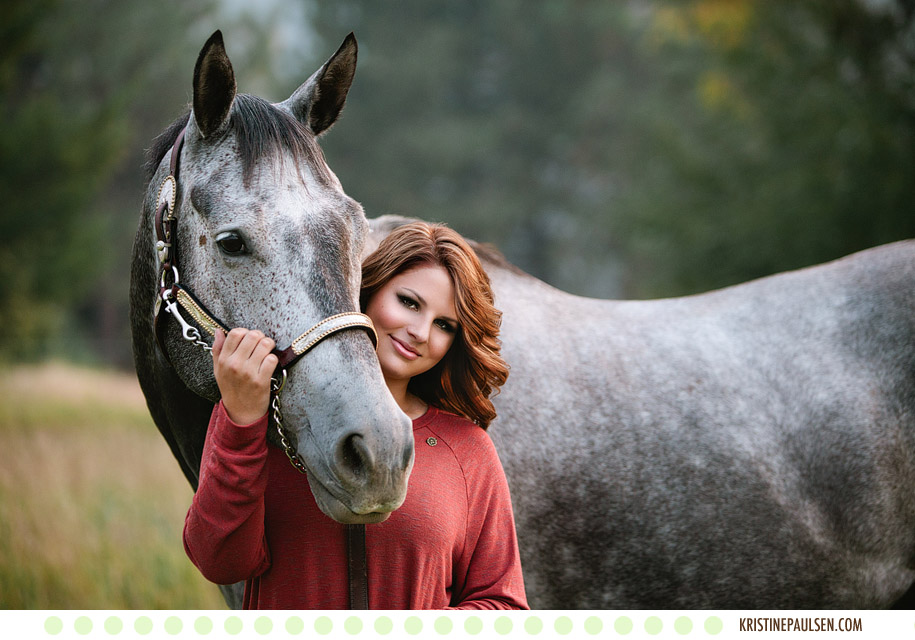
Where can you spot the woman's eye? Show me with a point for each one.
(231, 243)
(447, 327)
(410, 303)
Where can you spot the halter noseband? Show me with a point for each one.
(177, 297)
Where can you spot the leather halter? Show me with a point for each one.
(177, 297)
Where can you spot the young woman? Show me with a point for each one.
(452, 543)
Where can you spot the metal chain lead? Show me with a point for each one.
(276, 387)
(199, 342)
(191, 334)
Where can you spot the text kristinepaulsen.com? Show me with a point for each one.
(800, 624)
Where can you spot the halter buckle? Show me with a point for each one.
(162, 284)
(162, 248)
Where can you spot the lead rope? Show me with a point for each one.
(356, 557)
(357, 566)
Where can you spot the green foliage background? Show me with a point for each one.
(634, 149)
(613, 149)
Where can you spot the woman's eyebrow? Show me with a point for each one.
(416, 295)
(422, 302)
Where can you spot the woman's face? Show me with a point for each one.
(415, 320)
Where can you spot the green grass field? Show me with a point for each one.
(92, 502)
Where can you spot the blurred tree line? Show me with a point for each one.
(85, 88)
(79, 81)
(637, 149)
(614, 149)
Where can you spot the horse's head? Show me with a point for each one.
(267, 239)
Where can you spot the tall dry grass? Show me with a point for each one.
(91, 500)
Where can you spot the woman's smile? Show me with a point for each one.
(405, 349)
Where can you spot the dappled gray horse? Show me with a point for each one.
(261, 235)
(752, 447)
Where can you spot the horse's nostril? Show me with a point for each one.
(354, 457)
(407, 457)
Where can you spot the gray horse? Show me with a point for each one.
(752, 447)
(266, 238)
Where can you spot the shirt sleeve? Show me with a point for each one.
(488, 573)
(224, 527)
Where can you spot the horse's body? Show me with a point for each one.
(752, 447)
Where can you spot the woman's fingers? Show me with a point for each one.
(219, 340)
(269, 364)
(244, 350)
(262, 355)
(243, 365)
(240, 342)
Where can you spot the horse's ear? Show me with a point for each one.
(318, 102)
(214, 87)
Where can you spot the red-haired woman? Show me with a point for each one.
(452, 543)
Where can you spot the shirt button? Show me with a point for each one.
(431, 442)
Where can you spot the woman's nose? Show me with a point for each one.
(419, 331)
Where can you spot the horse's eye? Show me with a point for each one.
(231, 243)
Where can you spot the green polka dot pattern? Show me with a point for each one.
(392, 625)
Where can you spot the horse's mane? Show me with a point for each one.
(163, 143)
(489, 254)
(260, 129)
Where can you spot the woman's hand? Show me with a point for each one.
(243, 364)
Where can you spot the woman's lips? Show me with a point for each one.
(407, 352)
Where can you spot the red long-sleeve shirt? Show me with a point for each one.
(452, 544)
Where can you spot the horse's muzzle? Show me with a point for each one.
(336, 509)
(366, 477)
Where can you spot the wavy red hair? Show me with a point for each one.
(473, 368)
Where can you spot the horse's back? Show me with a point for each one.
(752, 446)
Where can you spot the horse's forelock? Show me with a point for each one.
(260, 129)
